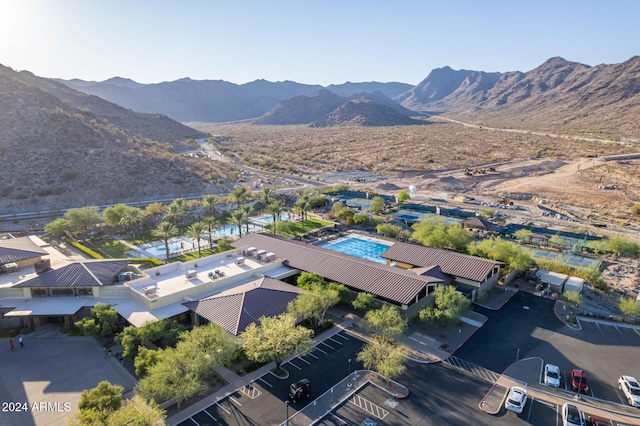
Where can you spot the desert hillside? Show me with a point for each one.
(61, 148)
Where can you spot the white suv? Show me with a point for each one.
(631, 389)
(552, 375)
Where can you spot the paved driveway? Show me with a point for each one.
(49, 374)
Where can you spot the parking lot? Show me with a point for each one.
(528, 327)
(263, 401)
(541, 413)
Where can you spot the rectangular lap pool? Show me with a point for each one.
(364, 248)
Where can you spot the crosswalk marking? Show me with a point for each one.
(369, 406)
(476, 370)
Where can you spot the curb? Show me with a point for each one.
(470, 335)
(577, 327)
(513, 293)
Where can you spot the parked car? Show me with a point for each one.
(300, 389)
(599, 421)
(516, 399)
(552, 375)
(631, 389)
(579, 382)
(572, 416)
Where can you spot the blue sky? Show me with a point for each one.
(315, 42)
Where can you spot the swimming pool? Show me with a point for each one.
(267, 219)
(360, 247)
(158, 250)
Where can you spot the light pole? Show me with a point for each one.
(349, 376)
(579, 384)
(286, 420)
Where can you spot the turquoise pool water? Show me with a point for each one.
(359, 247)
(268, 219)
(158, 250)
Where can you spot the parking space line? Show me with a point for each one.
(334, 340)
(616, 327)
(599, 329)
(321, 351)
(265, 382)
(223, 409)
(344, 337)
(303, 360)
(214, 419)
(194, 420)
(235, 400)
(338, 419)
(327, 345)
(294, 365)
(310, 354)
(530, 408)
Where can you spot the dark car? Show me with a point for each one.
(579, 380)
(300, 389)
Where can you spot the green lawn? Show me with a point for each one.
(297, 228)
(193, 255)
(113, 248)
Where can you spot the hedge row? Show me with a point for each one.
(84, 249)
(148, 261)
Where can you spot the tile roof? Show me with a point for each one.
(88, 273)
(434, 271)
(235, 309)
(388, 282)
(17, 249)
(457, 264)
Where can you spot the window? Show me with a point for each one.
(39, 292)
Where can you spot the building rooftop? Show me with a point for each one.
(184, 277)
(17, 249)
(388, 282)
(235, 309)
(457, 264)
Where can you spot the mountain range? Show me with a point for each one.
(559, 95)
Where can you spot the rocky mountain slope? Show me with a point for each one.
(302, 109)
(62, 148)
(559, 95)
(318, 108)
(364, 112)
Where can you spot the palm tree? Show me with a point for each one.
(211, 223)
(266, 194)
(176, 210)
(165, 230)
(131, 218)
(239, 217)
(249, 212)
(275, 209)
(209, 203)
(195, 230)
(302, 206)
(239, 195)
